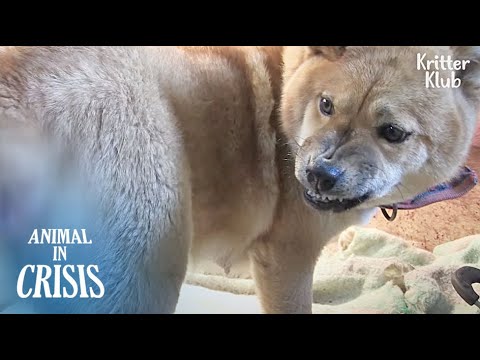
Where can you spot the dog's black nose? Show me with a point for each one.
(323, 176)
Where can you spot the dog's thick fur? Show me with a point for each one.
(203, 151)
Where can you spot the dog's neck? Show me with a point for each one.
(274, 65)
(284, 157)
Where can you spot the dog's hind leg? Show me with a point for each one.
(107, 107)
(147, 207)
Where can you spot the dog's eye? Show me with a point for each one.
(326, 106)
(392, 134)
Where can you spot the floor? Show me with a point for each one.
(442, 222)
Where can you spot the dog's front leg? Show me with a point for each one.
(282, 262)
(283, 277)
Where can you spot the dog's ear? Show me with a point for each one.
(331, 53)
(294, 56)
(470, 76)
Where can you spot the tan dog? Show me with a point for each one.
(240, 153)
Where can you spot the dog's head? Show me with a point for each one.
(364, 127)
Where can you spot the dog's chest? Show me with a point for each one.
(223, 231)
(234, 192)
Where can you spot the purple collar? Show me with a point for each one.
(455, 188)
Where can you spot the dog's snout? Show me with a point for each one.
(323, 176)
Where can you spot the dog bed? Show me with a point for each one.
(365, 271)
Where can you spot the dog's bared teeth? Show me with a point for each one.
(314, 195)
